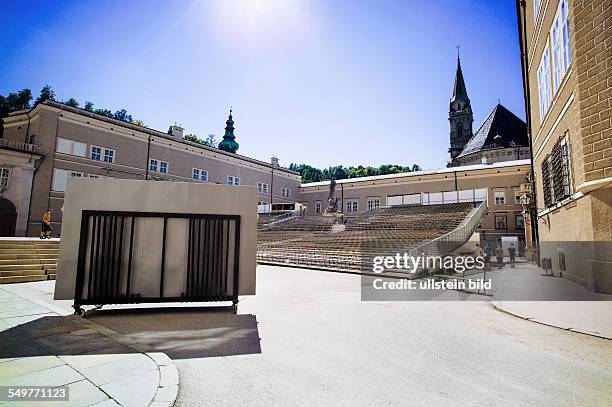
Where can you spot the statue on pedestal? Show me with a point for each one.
(332, 201)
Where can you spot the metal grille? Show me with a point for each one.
(108, 257)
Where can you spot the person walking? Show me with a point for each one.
(499, 254)
(512, 254)
(45, 233)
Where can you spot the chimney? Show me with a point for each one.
(274, 161)
(177, 131)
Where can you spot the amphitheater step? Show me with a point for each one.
(19, 267)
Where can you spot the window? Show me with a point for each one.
(565, 26)
(517, 197)
(520, 221)
(71, 147)
(566, 167)
(318, 207)
(499, 197)
(96, 153)
(373, 204)
(560, 41)
(286, 192)
(231, 180)
(102, 154)
(109, 156)
(412, 199)
(4, 177)
(351, 206)
(262, 187)
(60, 178)
(500, 222)
(557, 173)
(156, 165)
(544, 83)
(199, 174)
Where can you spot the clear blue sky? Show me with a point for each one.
(322, 82)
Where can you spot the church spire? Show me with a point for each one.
(459, 115)
(459, 90)
(229, 140)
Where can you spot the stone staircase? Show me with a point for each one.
(26, 259)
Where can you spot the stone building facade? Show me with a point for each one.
(73, 142)
(498, 183)
(567, 75)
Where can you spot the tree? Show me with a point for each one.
(139, 123)
(89, 106)
(72, 102)
(193, 138)
(46, 93)
(4, 107)
(170, 130)
(104, 112)
(312, 174)
(211, 141)
(123, 116)
(19, 100)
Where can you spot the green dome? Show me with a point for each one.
(229, 140)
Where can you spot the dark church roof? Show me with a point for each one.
(501, 129)
(459, 90)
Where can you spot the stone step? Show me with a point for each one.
(24, 272)
(24, 279)
(28, 261)
(28, 245)
(18, 267)
(18, 256)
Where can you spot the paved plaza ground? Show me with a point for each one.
(307, 339)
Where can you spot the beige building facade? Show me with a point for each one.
(18, 162)
(76, 143)
(499, 183)
(567, 75)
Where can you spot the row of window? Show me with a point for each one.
(499, 198)
(76, 148)
(60, 178)
(501, 221)
(559, 42)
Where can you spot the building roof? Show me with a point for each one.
(152, 132)
(501, 129)
(444, 170)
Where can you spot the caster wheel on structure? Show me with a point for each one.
(235, 308)
(99, 306)
(79, 311)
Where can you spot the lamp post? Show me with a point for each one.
(527, 203)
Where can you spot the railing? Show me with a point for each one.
(17, 145)
(454, 239)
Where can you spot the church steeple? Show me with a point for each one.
(459, 115)
(459, 90)
(229, 140)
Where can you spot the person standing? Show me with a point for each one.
(512, 254)
(45, 233)
(488, 252)
(499, 254)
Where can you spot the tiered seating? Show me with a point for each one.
(24, 260)
(307, 241)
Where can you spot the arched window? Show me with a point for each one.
(33, 139)
(459, 130)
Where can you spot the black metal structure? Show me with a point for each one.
(105, 268)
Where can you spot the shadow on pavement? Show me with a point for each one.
(185, 332)
(55, 335)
